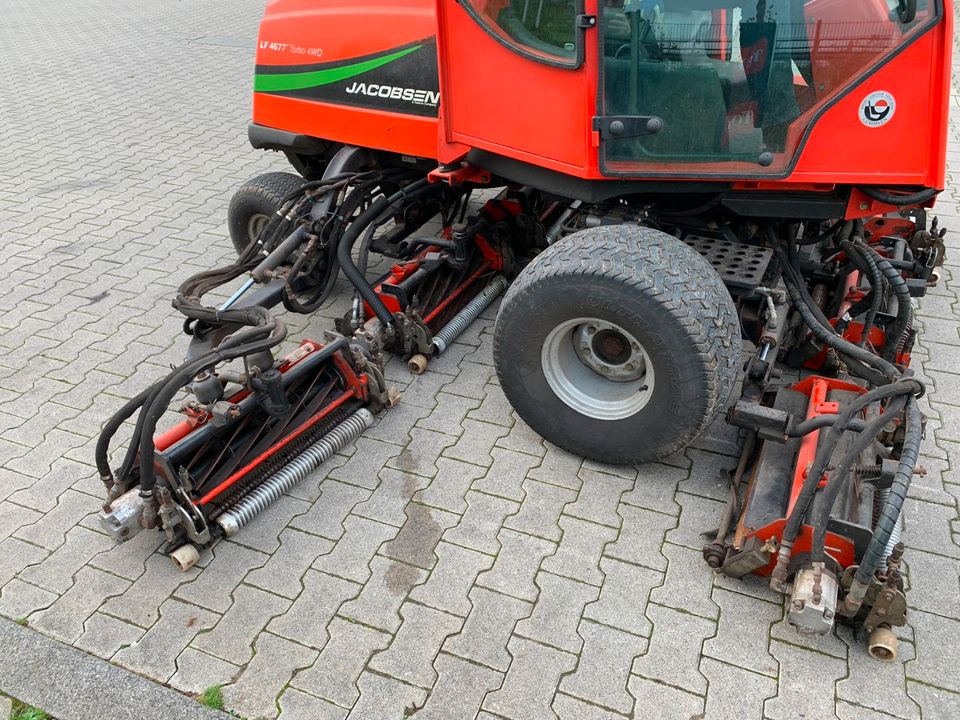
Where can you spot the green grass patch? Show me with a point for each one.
(22, 711)
(212, 697)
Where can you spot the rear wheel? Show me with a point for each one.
(619, 343)
(254, 202)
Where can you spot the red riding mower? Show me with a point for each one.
(664, 179)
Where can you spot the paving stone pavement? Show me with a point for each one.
(450, 560)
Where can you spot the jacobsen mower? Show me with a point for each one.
(664, 179)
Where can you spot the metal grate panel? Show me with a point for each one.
(740, 266)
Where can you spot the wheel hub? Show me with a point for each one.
(597, 368)
(610, 351)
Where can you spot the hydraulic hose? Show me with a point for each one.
(838, 478)
(904, 302)
(270, 332)
(822, 457)
(899, 200)
(890, 514)
(350, 237)
(110, 429)
(858, 250)
(821, 421)
(831, 339)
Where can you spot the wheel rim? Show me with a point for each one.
(597, 368)
(255, 226)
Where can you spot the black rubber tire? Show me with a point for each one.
(261, 195)
(654, 287)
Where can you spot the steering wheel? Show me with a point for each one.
(907, 10)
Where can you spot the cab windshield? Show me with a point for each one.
(737, 82)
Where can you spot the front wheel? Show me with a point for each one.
(254, 203)
(619, 343)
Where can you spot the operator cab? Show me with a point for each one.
(717, 86)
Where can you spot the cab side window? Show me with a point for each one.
(545, 30)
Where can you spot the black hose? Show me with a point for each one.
(829, 444)
(102, 450)
(890, 514)
(825, 235)
(269, 332)
(904, 319)
(819, 422)
(838, 478)
(899, 200)
(826, 334)
(868, 264)
(345, 246)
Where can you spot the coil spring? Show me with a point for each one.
(452, 330)
(293, 472)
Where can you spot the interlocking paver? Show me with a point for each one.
(283, 573)
(155, 654)
(212, 588)
(488, 628)
(641, 537)
(389, 501)
(599, 498)
(581, 546)
(604, 667)
(867, 680)
(56, 572)
(141, 602)
(307, 619)
(657, 701)
(327, 515)
(334, 675)
(64, 619)
(18, 599)
(255, 693)
(623, 598)
(539, 513)
(417, 540)
(479, 525)
(448, 489)
(103, 635)
(730, 644)
(516, 564)
(934, 663)
(527, 690)
(412, 651)
(557, 612)
(686, 587)
(806, 682)
(351, 556)
(735, 693)
(232, 638)
(386, 698)
(378, 603)
(674, 651)
(506, 476)
(297, 705)
(450, 581)
(459, 690)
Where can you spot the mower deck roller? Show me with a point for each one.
(651, 186)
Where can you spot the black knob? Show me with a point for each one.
(617, 127)
(766, 158)
(654, 125)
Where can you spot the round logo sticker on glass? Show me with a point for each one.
(877, 109)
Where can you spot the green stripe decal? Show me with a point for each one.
(299, 81)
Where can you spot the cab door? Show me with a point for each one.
(517, 79)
